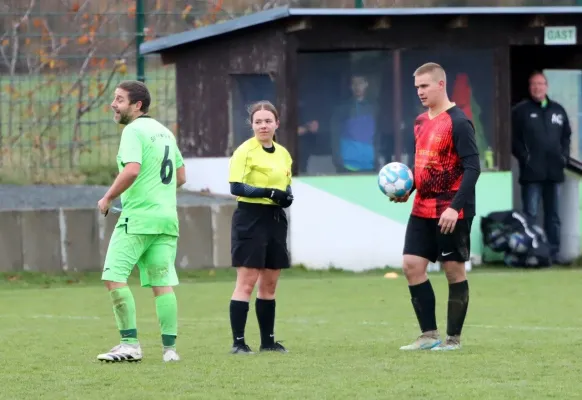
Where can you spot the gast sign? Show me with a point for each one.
(559, 35)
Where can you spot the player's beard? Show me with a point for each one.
(124, 118)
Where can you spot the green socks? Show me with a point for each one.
(125, 316)
(167, 311)
(124, 310)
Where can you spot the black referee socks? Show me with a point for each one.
(423, 301)
(266, 316)
(457, 308)
(238, 320)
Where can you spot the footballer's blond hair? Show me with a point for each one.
(434, 69)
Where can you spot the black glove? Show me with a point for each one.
(280, 197)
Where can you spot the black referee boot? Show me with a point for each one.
(241, 348)
(277, 347)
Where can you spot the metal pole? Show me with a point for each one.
(139, 36)
(359, 3)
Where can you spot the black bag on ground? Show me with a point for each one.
(523, 244)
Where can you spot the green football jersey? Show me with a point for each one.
(149, 205)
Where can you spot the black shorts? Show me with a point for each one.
(259, 237)
(424, 239)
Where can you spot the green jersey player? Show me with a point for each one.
(150, 170)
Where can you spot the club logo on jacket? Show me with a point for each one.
(558, 119)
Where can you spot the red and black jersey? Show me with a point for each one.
(440, 145)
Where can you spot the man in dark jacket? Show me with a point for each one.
(541, 144)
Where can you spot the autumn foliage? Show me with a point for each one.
(60, 61)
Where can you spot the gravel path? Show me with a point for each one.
(14, 197)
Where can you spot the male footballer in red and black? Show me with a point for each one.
(446, 169)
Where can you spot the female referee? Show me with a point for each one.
(260, 177)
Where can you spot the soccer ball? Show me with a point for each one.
(519, 243)
(395, 180)
(497, 240)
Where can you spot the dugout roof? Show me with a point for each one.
(281, 13)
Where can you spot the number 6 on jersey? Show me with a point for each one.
(167, 168)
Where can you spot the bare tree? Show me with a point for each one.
(57, 72)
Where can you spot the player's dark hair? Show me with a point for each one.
(137, 91)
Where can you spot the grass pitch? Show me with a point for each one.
(343, 331)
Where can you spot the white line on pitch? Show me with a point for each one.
(498, 327)
(301, 321)
(527, 328)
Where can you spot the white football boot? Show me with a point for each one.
(122, 352)
(170, 354)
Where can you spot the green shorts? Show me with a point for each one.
(155, 256)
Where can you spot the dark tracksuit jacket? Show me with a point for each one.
(540, 141)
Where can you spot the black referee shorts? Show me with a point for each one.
(259, 237)
(424, 239)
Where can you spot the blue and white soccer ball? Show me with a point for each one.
(519, 243)
(395, 180)
(497, 240)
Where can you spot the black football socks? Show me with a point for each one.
(457, 307)
(265, 310)
(238, 320)
(423, 301)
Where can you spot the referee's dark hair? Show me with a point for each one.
(137, 91)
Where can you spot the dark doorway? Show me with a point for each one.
(562, 66)
(526, 59)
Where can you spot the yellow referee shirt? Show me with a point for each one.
(252, 165)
